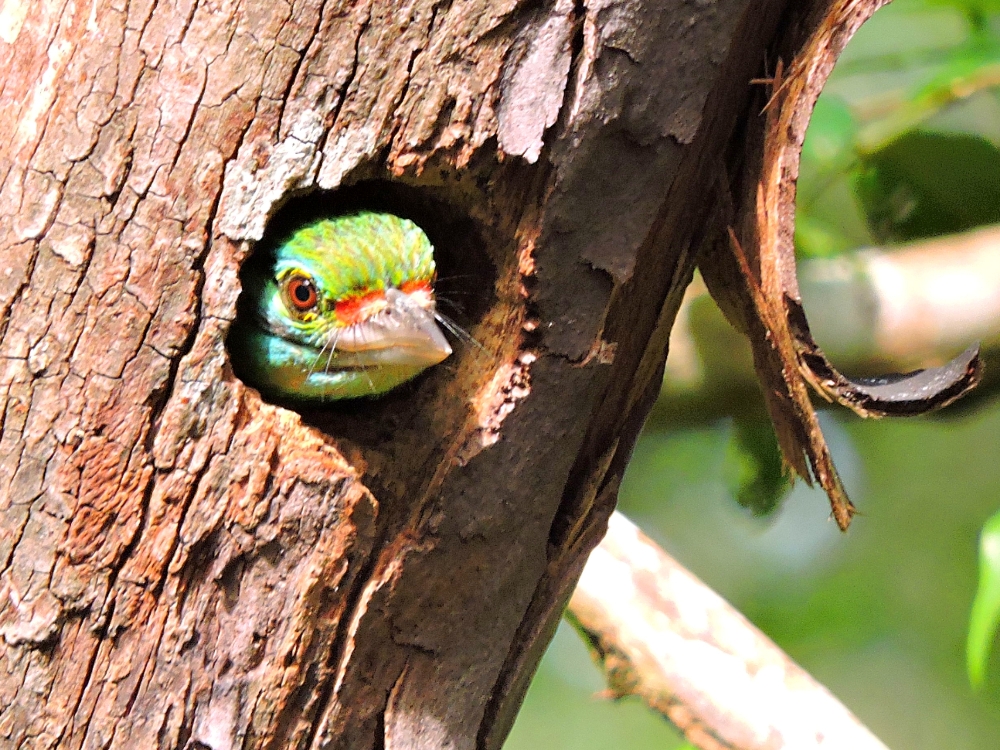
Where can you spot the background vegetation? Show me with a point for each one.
(903, 144)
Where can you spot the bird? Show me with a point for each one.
(343, 308)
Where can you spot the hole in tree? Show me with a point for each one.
(464, 291)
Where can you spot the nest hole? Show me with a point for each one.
(395, 427)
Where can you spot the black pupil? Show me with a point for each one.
(302, 292)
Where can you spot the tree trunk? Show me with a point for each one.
(186, 565)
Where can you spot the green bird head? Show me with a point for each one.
(345, 308)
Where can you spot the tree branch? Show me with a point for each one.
(662, 635)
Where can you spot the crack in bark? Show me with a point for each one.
(293, 78)
(85, 684)
(345, 88)
(5, 311)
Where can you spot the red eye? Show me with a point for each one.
(301, 293)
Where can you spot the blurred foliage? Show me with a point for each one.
(924, 184)
(986, 606)
(902, 144)
(754, 473)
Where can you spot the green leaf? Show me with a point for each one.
(826, 212)
(831, 226)
(754, 472)
(985, 615)
(924, 184)
(815, 238)
(830, 137)
(959, 73)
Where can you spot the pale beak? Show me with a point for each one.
(403, 334)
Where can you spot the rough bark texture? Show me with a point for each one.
(185, 565)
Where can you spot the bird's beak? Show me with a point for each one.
(403, 334)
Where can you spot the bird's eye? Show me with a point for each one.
(301, 293)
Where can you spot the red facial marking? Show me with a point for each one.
(360, 307)
(417, 285)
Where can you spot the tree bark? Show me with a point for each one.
(186, 565)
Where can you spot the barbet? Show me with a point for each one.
(345, 308)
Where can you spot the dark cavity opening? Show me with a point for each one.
(466, 277)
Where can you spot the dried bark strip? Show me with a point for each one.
(889, 313)
(754, 278)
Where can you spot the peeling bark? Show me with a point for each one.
(185, 565)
